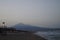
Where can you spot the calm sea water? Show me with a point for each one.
(49, 35)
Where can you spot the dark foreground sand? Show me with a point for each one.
(20, 36)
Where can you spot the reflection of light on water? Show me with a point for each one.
(49, 35)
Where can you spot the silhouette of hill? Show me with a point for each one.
(22, 26)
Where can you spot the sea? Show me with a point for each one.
(50, 35)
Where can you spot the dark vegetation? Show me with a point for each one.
(2, 30)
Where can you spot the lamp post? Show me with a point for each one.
(4, 28)
(3, 24)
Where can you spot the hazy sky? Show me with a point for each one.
(43, 13)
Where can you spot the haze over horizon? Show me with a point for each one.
(43, 13)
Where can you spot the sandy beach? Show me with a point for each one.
(20, 36)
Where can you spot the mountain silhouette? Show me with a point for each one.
(22, 26)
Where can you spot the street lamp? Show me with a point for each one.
(3, 24)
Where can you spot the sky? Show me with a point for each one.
(42, 13)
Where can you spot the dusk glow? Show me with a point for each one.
(43, 13)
